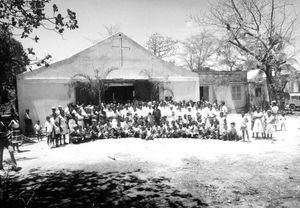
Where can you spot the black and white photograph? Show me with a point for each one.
(149, 103)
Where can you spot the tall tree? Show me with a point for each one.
(261, 31)
(111, 29)
(227, 56)
(22, 17)
(161, 46)
(13, 60)
(198, 50)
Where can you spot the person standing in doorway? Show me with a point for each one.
(28, 123)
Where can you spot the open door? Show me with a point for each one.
(120, 94)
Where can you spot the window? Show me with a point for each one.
(236, 92)
(258, 92)
(298, 87)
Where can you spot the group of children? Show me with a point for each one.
(266, 122)
(146, 120)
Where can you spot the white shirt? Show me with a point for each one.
(48, 127)
(37, 127)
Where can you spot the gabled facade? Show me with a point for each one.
(135, 67)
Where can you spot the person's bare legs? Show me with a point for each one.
(243, 134)
(1, 157)
(247, 134)
(12, 156)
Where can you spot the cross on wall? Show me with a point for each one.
(121, 47)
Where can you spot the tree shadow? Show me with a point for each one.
(78, 188)
(25, 158)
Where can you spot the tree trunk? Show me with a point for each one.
(99, 97)
(270, 84)
(99, 93)
(275, 88)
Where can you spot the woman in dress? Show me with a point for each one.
(258, 124)
(270, 122)
(16, 133)
(63, 128)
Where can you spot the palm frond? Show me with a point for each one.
(83, 76)
(108, 71)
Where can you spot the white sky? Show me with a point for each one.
(137, 19)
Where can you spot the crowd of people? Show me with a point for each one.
(156, 119)
(145, 120)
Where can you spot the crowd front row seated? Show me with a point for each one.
(151, 120)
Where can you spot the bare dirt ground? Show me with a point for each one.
(165, 172)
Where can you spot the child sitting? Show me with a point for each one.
(94, 130)
(232, 134)
(75, 135)
(149, 134)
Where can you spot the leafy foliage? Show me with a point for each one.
(260, 31)
(198, 49)
(22, 17)
(13, 60)
(25, 16)
(161, 46)
(111, 29)
(94, 86)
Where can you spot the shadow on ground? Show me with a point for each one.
(67, 188)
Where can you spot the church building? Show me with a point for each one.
(130, 71)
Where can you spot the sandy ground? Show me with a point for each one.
(222, 174)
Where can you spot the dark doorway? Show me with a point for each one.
(204, 93)
(120, 94)
(85, 95)
(144, 90)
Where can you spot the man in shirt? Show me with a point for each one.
(157, 115)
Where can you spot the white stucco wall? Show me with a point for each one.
(182, 90)
(40, 95)
(258, 101)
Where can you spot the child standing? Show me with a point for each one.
(38, 130)
(222, 126)
(258, 125)
(281, 123)
(49, 130)
(244, 127)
